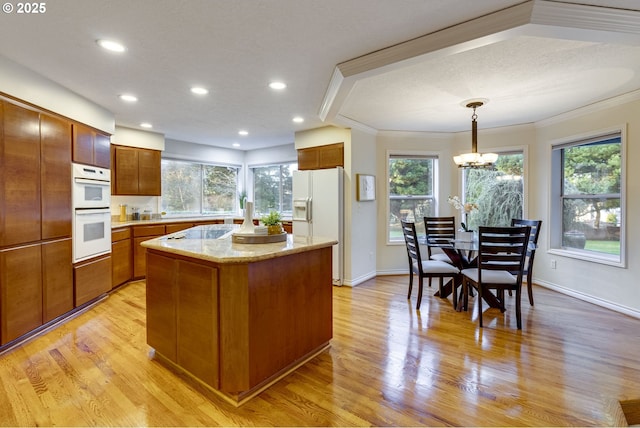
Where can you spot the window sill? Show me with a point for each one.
(590, 256)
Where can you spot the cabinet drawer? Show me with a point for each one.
(151, 230)
(120, 234)
(91, 279)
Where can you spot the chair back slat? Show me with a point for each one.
(411, 239)
(503, 248)
(535, 225)
(440, 227)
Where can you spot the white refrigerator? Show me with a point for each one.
(318, 210)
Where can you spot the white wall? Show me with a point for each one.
(614, 287)
(26, 85)
(137, 138)
(361, 220)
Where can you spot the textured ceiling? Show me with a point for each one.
(235, 47)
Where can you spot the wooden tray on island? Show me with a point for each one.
(252, 238)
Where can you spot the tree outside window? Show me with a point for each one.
(273, 188)
(190, 188)
(499, 193)
(590, 195)
(411, 189)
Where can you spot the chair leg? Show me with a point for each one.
(479, 299)
(420, 282)
(410, 284)
(519, 308)
(530, 290)
(454, 289)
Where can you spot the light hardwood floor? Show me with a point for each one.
(389, 365)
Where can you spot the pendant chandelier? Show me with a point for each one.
(475, 159)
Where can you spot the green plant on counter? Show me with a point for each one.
(273, 219)
(242, 197)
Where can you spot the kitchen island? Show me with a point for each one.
(237, 317)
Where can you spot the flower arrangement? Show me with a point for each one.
(273, 221)
(465, 208)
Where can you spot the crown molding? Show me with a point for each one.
(541, 18)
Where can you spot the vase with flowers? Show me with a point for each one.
(465, 209)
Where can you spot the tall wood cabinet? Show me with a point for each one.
(36, 284)
(135, 171)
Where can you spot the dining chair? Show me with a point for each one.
(531, 250)
(425, 268)
(501, 255)
(439, 230)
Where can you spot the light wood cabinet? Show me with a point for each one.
(328, 156)
(135, 171)
(19, 175)
(20, 291)
(121, 256)
(57, 279)
(143, 233)
(91, 279)
(183, 315)
(91, 147)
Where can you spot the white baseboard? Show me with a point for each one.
(591, 299)
(362, 278)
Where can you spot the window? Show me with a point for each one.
(586, 206)
(499, 193)
(411, 191)
(272, 187)
(190, 188)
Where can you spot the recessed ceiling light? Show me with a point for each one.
(146, 125)
(199, 90)
(129, 98)
(298, 119)
(277, 85)
(243, 132)
(236, 144)
(110, 45)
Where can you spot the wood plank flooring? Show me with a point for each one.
(389, 365)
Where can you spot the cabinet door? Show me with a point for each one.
(149, 182)
(122, 262)
(55, 140)
(82, 144)
(19, 175)
(161, 306)
(126, 171)
(20, 291)
(91, 279)
(57, 279)
(101, 150)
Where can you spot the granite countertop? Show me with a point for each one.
(163, 220)
(213, 243)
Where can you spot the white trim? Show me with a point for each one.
(589, 298)
(359, 280)
(554, 226)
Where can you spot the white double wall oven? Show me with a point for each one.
(91, 211)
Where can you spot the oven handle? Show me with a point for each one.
(89, 211)
(94, 182)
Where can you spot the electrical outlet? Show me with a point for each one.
(553, 264)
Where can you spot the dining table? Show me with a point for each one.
(463, 255)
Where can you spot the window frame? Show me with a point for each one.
(251, 179)
(436, 187)
(556, 198)
(202, 188)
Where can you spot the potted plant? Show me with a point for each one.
(273, 223)
(242, 197)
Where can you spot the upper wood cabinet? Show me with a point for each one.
(19, 174)
(329, 156)
(135, 171)
(55, 172)
(91, 147)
